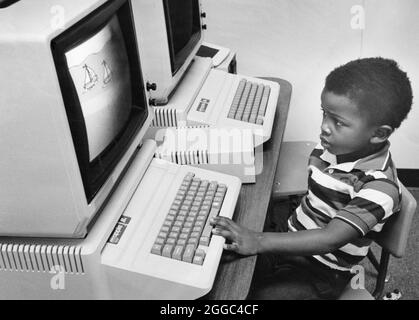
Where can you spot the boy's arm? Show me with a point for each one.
(308, 242)
(368, 210)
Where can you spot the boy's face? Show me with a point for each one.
(344, 130)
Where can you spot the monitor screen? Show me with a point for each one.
(99, 68)
(183, 24)
(100, 76)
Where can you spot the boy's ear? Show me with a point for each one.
(381, 134)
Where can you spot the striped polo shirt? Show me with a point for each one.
(363, 193)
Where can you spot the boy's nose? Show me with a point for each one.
(325, 129)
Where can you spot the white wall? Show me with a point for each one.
(303, 40)
(392, 30)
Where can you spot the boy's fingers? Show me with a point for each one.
(224, 233)
(220, 221)
(223, 222)
(231, 246)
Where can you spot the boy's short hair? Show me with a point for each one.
(380, 89)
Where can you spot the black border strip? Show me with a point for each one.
(409, 177)
(7, 3)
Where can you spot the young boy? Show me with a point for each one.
(352, 187)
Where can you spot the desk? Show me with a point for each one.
(235, 272)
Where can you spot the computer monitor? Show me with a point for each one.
(170, 34)
(74, 111)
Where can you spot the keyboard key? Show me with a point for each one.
(193, 214)
(189, 253)
(187, 231)
(170, 218)
(190, 219)
(187, 202)
(178, 252)
(212, 185)
(199, 260)
(176, 229)
(193, 241)
(197, 229)
(183, 236)
(157, 249)
(200, 252)
(180, 220)
(216, 204)
(183, 213)
(167, 250)
(185, 207)
(195, 209)
(189, 224)
(177, 202)
(200, 223)
(165, 229)
(201, 218)
(189, 198)
(172, 212)
(167, 223)
(160, 241)
(204, 241)
(162, 235)
(195, 235)
(181, 242)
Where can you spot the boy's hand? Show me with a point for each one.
(243, 241)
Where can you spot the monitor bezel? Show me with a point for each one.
(94, 174)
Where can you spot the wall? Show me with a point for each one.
(303, 40)
(392, 30)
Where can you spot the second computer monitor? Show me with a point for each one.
(169, 33)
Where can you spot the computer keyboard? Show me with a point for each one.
(165, 207)
(223, 100)
(236, 102)
(250, 102)
(186, 231)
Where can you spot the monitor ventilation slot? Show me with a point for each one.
(40, 258)
(165, 117)
(190, 157)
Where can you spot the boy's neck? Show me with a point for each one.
(354, 156)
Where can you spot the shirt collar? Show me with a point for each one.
(376, 161)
